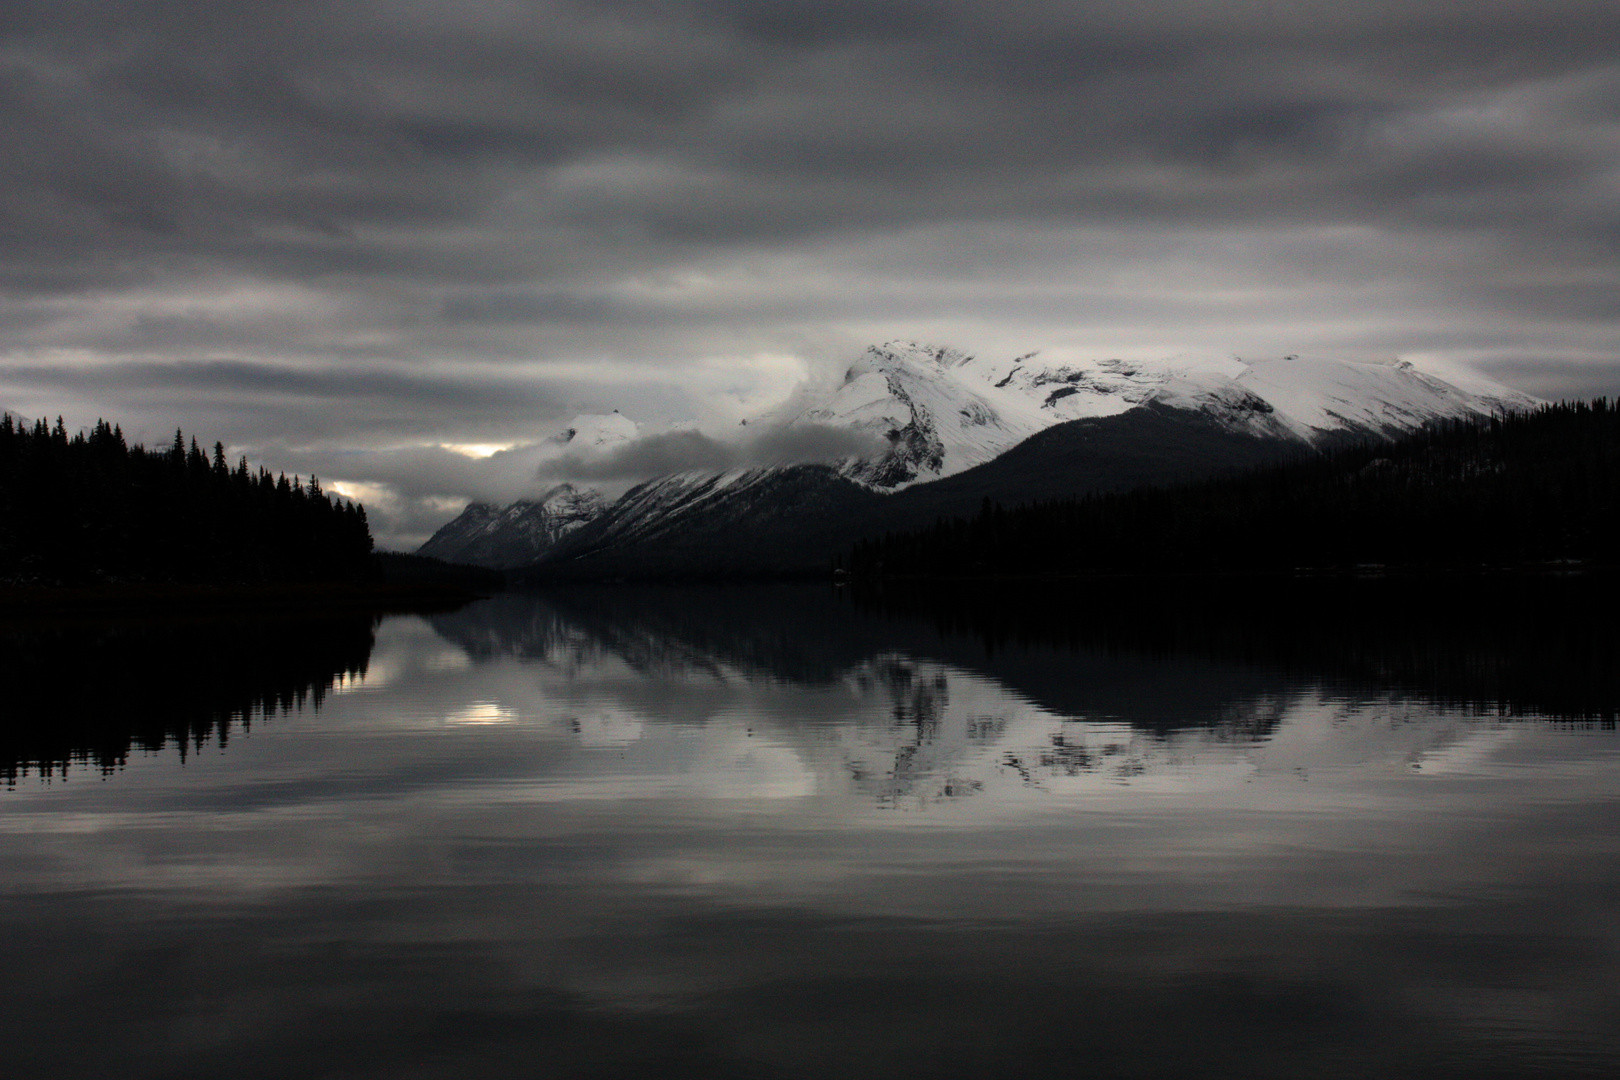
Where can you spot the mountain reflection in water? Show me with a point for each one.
(1320, 828)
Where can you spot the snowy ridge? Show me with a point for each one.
(943, 411)
(1319, 396)
(663, 504)
(517, 534)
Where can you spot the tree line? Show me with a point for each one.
(1537, 486)
(89, 508)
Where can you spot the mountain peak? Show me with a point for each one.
(517, 535)
(932, 412)
(942, 410)
(902, 352)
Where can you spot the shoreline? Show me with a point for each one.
(312, 597)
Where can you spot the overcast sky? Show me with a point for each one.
(340, 236)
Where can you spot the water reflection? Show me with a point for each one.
(912, 699)
(1221, 658)
(92, 691)
(796, 833)
(1538, 645)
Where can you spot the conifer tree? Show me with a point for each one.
(89, 508)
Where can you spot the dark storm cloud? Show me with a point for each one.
(264, 401)
(391, 201)
(183, 128)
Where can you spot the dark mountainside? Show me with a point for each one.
(1511, 490)
(471, 539)
(787, 524)
(797, 521)
(88, 510)
(398, 568)
(500, 538)
(1150, 444)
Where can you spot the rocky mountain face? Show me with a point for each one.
(515, 535)
(755, 523)
(943, 412)
(502, 537)
(790, 521)
(956, 429)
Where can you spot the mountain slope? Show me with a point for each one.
(957, 429)
(1153, 444)
(499, 538)
(755, 523)
(794, 521)
(943, 412)
(1523, 489)
(516, 535)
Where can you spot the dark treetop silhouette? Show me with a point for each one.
(89, 509)
(1515, 489)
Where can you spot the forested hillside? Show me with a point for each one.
(88, 508)
(1514, 489)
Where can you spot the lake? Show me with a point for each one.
(1348, 828)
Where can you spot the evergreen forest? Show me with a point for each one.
(1513, 490)
(89, 509)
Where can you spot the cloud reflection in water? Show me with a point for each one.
(817, 842)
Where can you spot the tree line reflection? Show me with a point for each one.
(1542, 645)
(1214, 656)
(1158, 653)
(91, 693)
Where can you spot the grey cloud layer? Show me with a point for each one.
(466, 221)
(353, 140)
(682, 451)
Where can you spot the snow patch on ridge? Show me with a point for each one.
(943, 411)
(1319, 396)
(933, 411)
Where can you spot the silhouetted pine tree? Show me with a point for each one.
(91, 508)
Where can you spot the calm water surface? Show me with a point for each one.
(775, 833)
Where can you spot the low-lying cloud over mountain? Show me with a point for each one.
(687, 450)
(338, 230)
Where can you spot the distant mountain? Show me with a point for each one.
(761, 523)
(597, 431)
(958, 429)
(792, 521)
(943, 412)
(524, 531)
(515, 535)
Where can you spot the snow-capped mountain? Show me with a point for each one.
(943, 411)
(516, 535)
(521, 532)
